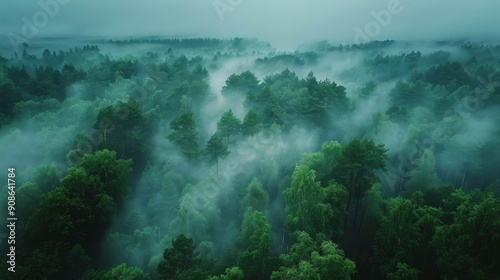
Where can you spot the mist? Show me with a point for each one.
(334, 21)
(250, 129)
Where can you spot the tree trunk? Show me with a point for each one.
(348, 210)
(283, 239)
(356, 213)
(363, 216)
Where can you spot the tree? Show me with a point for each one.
(404, 272)
(306, 204)
(424, 175)
(173, 103)
(233, 273)
(123, 129)
(111, 173)
(325, 162)
(122, 272)
(255, 239)
(372, 204)
(467, 247)
(256, 196)
(332, 262)
(251, 124)
(242, 83)
(185, 135)
(228, 125)
(180, 257)
(403, 236)
(215, 150)
(356, 168)
(47, 177)
(190, 219)
(306, 261)
(60, 218)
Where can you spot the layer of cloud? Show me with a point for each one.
(285, 23)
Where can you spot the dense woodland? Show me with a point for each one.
(227, 160)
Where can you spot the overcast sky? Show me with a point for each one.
(284, 23)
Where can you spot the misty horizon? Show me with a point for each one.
(334, 21)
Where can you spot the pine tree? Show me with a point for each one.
(228, 125)
(185, 135)
(215, 150)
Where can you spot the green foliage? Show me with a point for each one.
(215, 150)
(423, 175)
(256, 196)
(307, 261)
(110, 172)
(255, 238)
(233, 273)
(403, 272)
(324, 163)
(437, 110)
(307, 208)
(60, 218)
(251, 124)
(122, 128)
(404, 231)
(228, 125)
(122, 272)
(185, 135)
(240, 83)
(467, 246)
(356, 168)
(358, 162)
(181, 257)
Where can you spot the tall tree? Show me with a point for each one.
(255, 238)
(228, 125)
(251, 123)
(424, 175)
(256, 196)
(179, 258)
(123, 129)
(306, 204)
(468, 247)
(307, 261)
(185, 135)
(215, 150)
(112, 174)
(356, 168)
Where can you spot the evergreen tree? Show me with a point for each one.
(179, 258)
(228, 125)
(251, 124)
(215, 150)
(185, 135)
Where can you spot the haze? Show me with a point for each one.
(285, 24)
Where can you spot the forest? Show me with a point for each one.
(226, 159)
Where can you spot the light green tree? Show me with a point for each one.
(307, 261)
(424, 175)
(256, 196)
(306, 204)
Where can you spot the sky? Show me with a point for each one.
(284, 23)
